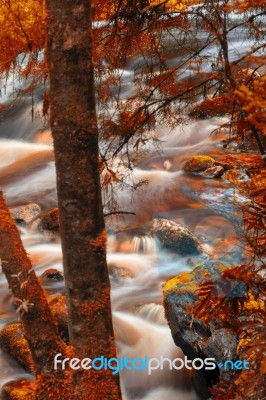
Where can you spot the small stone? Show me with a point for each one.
(213, 172)
(118, 273)
(51, 275)
(236, 175)
(50, 221)
(25, 213)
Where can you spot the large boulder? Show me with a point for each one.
(205, 309)
(199, 163)
(175, 237)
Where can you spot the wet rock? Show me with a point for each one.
(199, 163)
(25, 213)
(19, 390)
(51, 275)
(213, 172)
(236, 175)
(203, 338)
(119, 273)
(12, 340)
(58, 307)
(50, 221)
(175, 237)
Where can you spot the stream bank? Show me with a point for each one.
(218, 311)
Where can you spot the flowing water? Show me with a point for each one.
(27, 174)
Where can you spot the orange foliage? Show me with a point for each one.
(243, 6)
(22, 25)
(245, 312)
(211, 107)
(21, 31)
(165, 82)
(253, 102)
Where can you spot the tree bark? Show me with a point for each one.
(75, 133)
(39, 326)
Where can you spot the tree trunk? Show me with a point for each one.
(38, 323)
(225, 51)
(75, 133)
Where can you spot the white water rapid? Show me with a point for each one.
(27, 174)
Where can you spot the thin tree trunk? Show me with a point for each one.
(225, 52)
(39, 326)
(75, 133)
(258, 140)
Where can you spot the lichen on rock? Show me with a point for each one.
(199, 163)
(209, 311)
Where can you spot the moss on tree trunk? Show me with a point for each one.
(81, 222)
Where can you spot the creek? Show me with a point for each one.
(206, 206)
(27, 175)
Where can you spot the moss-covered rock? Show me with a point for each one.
(199, 163)
(19, 390)
(50, 221)
(205, 309)
(13, 341)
